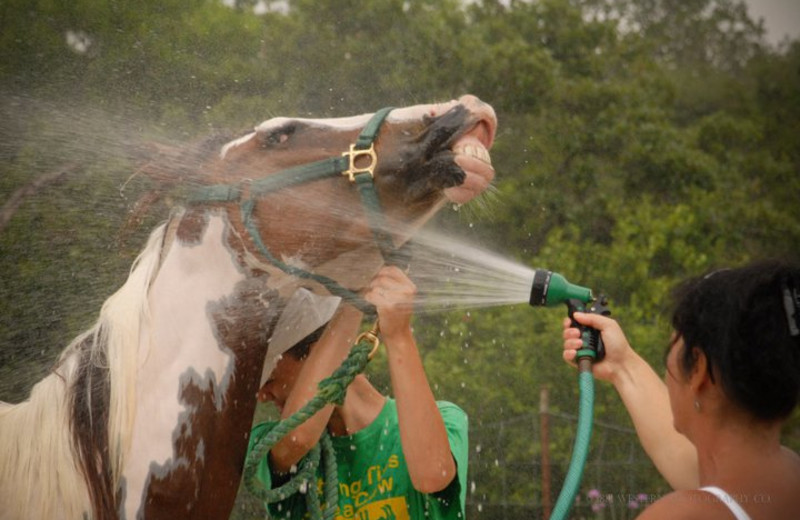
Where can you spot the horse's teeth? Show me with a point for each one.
(478, 152)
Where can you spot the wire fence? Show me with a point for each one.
(509, 480)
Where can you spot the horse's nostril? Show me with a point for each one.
(485, 133)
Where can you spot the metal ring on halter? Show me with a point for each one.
(371, 336)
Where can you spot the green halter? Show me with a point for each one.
(247, 192)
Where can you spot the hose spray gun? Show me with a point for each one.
(548, 290)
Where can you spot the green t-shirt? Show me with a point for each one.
(373, 479)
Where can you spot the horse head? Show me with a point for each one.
(424, 155)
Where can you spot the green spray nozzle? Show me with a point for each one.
(550, 289)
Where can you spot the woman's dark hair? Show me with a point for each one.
(743, 321)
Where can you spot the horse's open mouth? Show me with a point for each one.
(465, 131)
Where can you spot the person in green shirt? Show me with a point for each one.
(398, 458)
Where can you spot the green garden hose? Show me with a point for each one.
(580, 449)
(547, 290)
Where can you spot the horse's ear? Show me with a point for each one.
(136, 215)
(167, 168)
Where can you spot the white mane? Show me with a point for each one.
(39, 469)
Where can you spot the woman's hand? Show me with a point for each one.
(618, 351)
(645, 396)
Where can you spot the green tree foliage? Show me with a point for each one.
(639, 142)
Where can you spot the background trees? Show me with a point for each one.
(639, 142)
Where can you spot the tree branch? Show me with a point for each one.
(18, 197)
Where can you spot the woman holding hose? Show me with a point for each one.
(712, 426)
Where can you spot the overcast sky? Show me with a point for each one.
(781, 17)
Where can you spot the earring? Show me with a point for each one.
(697, 405)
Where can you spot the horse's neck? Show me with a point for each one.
(199, 367)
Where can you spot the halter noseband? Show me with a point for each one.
(325, 168)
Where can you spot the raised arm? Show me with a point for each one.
(645, 396)
(422, 431)
(324, 357)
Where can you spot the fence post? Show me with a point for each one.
(544, 439)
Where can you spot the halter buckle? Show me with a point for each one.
(370, 336)
(353, 155)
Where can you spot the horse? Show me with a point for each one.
(147, 413)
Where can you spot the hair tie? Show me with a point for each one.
(791, 304)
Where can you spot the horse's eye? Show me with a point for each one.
(278, 135)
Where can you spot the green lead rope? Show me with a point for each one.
(331, 390)
(332, 286)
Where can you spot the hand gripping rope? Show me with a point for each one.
(331, 390)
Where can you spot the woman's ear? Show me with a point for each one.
(700, 378)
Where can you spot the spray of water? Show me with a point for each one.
(71, 220)
(451, 273)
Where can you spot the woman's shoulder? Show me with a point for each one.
(792, 457)
(792, 479)
(689, 504)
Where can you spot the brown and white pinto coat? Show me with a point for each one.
(147, 414)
